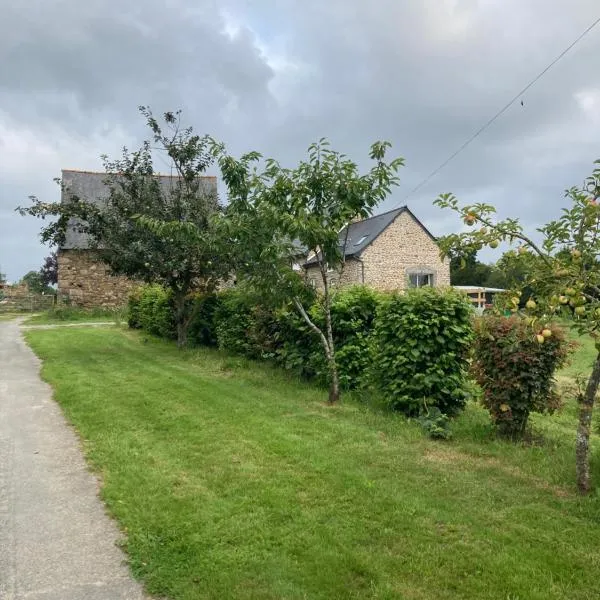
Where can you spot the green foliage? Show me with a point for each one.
(352, 314)
(201, 331)
(465, 269)
(275, 212)
(151, 309)
(558, 276)
(156, 233)
(435, 423)
(515, 365)
(435, 332)
(563, 266)
(420, 346)
(133, 308)
(232, 322)
(35, 283)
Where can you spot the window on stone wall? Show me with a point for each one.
(312, 283)
(417, 279)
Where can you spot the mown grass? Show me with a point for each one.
(233, 481)
(9, 316)
(68, 314)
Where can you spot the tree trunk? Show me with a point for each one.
(328, 347)
(334, 385)
(582, 445)
(334, 380)
(179, 300)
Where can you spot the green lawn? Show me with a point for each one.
(66, 314)
(233, 481)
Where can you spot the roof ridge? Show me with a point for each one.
(387, 212)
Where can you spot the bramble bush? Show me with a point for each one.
(514, 363)
(421, 342)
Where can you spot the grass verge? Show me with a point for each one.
(233, 481)
(67, 314)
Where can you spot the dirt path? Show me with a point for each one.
(56, 542)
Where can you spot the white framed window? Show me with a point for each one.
(417, 279)
(312, 283)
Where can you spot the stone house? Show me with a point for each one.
(83, 279)
(390, 251)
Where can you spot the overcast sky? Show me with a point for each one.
(275, 76)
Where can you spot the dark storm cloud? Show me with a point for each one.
(275, 76)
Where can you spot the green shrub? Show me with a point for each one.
(516, 371)
(133, 308)
(232, 321)
(202, 331)
(421, 342)
(298, 349)
(435, 423)
(153, 312)
(353, 312)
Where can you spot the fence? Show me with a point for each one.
(27, 303)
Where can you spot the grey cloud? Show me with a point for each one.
(423, 74)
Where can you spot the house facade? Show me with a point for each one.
(82, 278)
(391, 251)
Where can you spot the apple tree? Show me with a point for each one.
(561, 273)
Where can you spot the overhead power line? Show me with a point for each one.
(500, 112)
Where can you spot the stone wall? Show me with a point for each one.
(403, 247)
(351, 275)
(87, 282)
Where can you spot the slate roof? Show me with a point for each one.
(91, 187)
(363, 233)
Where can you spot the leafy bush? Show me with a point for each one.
(150, 309)
(232, 321)
(352, 313)
(202, 331)
(435, 423)
(514, 363)
(421, 342)
(133, 308)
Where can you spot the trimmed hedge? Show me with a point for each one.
(421, 344)
(150, 309)
(410, 347)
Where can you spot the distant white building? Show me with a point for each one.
(480, 297)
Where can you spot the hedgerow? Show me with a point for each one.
(420, 346)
